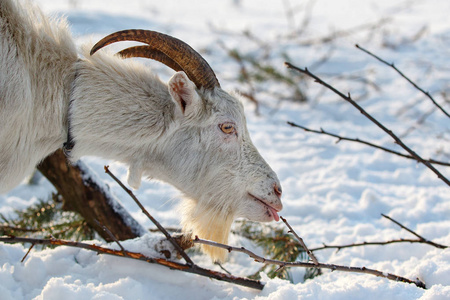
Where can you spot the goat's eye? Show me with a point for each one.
(228, 128)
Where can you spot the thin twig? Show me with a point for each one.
(420, 240)
(300, 240)
(280, 268)
(376, 122)
(339, 247)
(111, 235)
(161, 228)
(332, 267)
(194, 269)
(15, 228)
(405, 77)
(341, 138)
(169, 229)
(223, 269)
(28, 252)
(424, 240)
(419, 121)
(344, 33)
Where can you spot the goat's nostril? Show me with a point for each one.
(277, 190)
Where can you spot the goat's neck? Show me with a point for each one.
(118, 109)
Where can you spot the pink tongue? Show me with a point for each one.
(275, 214)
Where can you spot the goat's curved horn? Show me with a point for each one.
(148, 52)
(191, 62)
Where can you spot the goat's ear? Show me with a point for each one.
(183, 92)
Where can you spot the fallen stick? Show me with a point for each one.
(331, 267)
(255, 284)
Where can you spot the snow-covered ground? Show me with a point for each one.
(333, 193)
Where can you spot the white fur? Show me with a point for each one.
(120, 110)
(36, 71)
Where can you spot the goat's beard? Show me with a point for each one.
(209, 222)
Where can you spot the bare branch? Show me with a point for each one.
(421, 238)
(28, 252)
(332, 267)
(300, 240)
(345, 32)
(138, 256)
(339, 247)
(405, 77)
(160, 227)
(110, 234)
(341, 138)
(367, 115)
(15, 228)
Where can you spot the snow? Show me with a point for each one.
(333, 193)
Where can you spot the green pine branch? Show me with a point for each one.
(46, 219)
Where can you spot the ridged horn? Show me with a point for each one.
(159, 45)
(148, 52)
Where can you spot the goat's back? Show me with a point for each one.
(36, 70)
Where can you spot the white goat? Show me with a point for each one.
(189, 133)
